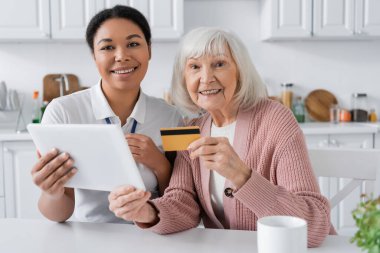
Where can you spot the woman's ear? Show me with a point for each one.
(150, 51)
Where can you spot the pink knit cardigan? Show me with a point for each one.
(270, 142)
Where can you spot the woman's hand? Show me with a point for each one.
(217, 154)
(131, 205)
(52, 171)
(146, 152)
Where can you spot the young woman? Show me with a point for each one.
(120, 41)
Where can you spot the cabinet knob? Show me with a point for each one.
(364, 145)
(334, 143)
(323, 144)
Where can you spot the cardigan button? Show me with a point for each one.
(228, 192)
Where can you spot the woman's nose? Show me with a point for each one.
(207, 76)
(122, 55)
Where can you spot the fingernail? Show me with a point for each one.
(54, 150)
(74, 170)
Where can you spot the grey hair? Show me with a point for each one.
(212, 41)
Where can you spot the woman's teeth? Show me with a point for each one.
(124, 71)
(209, 92)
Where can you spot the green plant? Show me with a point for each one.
(367, 219)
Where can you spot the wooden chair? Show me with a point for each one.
(342, 171)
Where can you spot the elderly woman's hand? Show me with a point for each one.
(131, 205)
(217, 154)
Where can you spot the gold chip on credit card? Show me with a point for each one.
(179, 138)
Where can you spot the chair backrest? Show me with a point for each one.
(356, 164)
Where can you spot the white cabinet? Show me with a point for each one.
(21, 19)
(165, 16)
(320, 19)
(352, 140)
(367, 18)
(377, 140)
(45, 19)
(1, 173)
(21, 195)
(67, 19)
(340, 140)
(334, 18)
(286, 19)
(317, 140)
(2, 208)
(341, 216)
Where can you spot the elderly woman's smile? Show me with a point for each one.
(210, 92)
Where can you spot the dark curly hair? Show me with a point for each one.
(119, 11)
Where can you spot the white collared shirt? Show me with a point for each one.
(91, 107)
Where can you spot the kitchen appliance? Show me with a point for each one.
(56, 85)
(318, 104)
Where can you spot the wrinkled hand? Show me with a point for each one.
(52, 171)
(146, 152)
(217, 154)
(131, 205)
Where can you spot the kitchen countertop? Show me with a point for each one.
(7, 134)
(340, 128)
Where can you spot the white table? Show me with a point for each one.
(41, 236)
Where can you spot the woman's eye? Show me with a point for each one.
(133, 44)
(219, 64)
(193, 66)
(107, 48)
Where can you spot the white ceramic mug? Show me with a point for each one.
(285, 234)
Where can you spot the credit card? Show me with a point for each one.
(179, 138)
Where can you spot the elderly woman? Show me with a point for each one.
(252, 160)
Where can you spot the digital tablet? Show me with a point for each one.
(100, 153)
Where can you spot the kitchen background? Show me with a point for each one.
(340, 66)
(346, 62)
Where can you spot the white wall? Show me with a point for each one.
(342, 67)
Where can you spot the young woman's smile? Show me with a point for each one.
(121, 54)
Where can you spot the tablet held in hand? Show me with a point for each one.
(100, 153)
